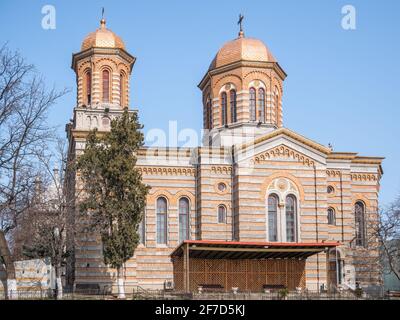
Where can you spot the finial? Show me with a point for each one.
(241, 33)
(330, 146)
(102, 21)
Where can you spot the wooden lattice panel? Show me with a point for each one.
(247, 275)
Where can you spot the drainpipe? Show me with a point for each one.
(316, 219)
(341, 203)
(232, 193)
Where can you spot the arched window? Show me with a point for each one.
(359, 216)
(142, 229)
(261, 105)
(291, 212)
(223, 108)
(233, 105)
(88, 76)
(252, 104)
(331, 216)
(106, 86)
(183, 219)
(121, 89)
(221, 214)
(162, 220)
(208, 114)
(272, 217)
(276, 106)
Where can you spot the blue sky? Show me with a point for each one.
(343, 87)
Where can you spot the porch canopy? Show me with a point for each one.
(215, 249)
(249, 266)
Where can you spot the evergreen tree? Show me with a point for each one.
(114, 194)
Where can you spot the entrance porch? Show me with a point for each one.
(247, 266)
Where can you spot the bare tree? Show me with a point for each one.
(47, 218)
(388, 232)
(24, 105)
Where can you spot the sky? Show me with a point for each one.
(343, 86)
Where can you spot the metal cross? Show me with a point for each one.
(240, 21)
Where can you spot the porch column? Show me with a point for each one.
(186, 279)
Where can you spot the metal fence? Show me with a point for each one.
(139, 293)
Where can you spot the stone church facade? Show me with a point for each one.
(254, 193)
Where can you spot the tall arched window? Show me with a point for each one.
(276, 105)
(162, 220)
(106, 86)
(208, 114)
(331, 216)
(121, 89)
(291, 212)
(142, 229)
(272, 217)
(261, 105)
(223, 108)
(233, 105)
(359, 215)
(221, 214)
(88, 77)
(183, 219)
(252, 104)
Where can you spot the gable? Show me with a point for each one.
(285, 145)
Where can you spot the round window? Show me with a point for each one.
(330, 190)
(221, 186)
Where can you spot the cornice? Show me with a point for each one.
(240, 64)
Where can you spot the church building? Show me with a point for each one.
(256, 206)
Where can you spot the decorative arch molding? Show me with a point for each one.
(153, 196)
(84, 64)
(333, 173)
(356, 197)
(110, 63)
(257, 72)
(257, 83)
(227, 76)
(227, 87)
(283, 151)
(363, 177)
(264, 190)
(221, 170)
(276, 83)
(184, 194)
(171, 171)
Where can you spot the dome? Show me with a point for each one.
(102, 38)
(242, 48)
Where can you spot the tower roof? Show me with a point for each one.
(242, 48)
(102, 38)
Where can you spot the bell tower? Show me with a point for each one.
(242, 92)
(103, 68)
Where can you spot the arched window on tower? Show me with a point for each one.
(221, 214)
(273, 217)
(183, 219)
(88, 79)
(261, 105)
(233, 106)
(121, 89)
(359, 216)
(162, 220)
(208, 114)
(252, 104)
(331, 216)
(276, 106)
(291, 213)
(106, 86)
(223, 109)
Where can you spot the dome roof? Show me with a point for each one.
(102, 38)
(242, 48)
